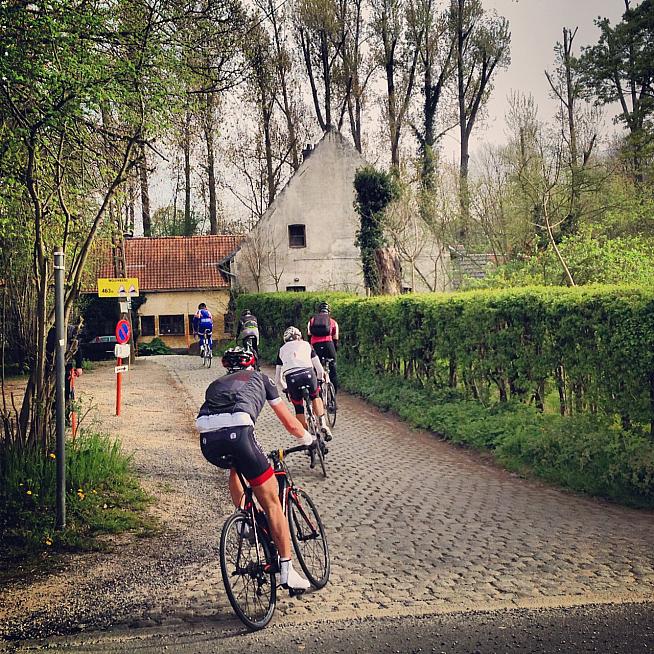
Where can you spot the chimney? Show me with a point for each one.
(306, 152)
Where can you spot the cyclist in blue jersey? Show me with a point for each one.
(203, 321)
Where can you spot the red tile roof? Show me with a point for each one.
(173, 262)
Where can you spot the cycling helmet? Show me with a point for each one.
(292, 334)
(236, 358)
(246, 312)
(202, 305)
(323, 307)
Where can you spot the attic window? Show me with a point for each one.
(297, 237)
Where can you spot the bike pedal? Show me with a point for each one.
(296, 592)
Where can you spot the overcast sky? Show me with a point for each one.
(535, 28)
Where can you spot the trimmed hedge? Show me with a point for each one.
(585, 350)
(492, 369)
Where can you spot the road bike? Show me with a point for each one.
(205, 349)
(249, 560)
(328, 393)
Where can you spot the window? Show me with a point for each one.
(147, 325)
(296, 289)
(297, 237)
(190, 322)
(173, 325)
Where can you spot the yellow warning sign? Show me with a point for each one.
(118, 287)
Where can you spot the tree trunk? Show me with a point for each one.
(145, 193)
(188, 226)
(211, 162)
(390, 271)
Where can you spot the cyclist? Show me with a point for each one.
(297, 366)
(203, 321)
(323, 330)
(248, 331)
(226, 424)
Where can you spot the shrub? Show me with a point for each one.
(155, 346)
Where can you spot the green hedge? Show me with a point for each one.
(587, 350)
(556, 381)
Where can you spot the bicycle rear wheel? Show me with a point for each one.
(330, 404)
(246, 572)
(318, 451)
(308, 537)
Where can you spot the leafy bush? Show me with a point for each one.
(155, 346)
(482, 368)
(102, 495)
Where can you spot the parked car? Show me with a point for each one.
(99, 347)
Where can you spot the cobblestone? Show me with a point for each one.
(414, 520)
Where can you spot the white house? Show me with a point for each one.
(305, 240)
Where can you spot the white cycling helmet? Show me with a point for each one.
(292, 334)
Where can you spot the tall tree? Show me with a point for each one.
(399, 59)
(578, 126)
(320, 36)
(431, 34)
(620, 69)
(482, 47)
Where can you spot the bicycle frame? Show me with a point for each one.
(257, 515)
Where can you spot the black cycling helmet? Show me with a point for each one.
(236, 358)
(202, 305)
(246, 312)
(323, 307)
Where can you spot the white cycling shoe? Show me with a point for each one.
(292, 579)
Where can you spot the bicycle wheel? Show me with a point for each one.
(330, 404)
(318, 451)
(308, 536)
(208, 357)
(245, 569)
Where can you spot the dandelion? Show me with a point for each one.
(53, 455)
(48, 541)
(81, 495)
(29, 492)
(94, 492)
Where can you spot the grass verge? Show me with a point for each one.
(103, 496)
(588, 454)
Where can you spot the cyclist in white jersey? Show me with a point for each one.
(298, 365)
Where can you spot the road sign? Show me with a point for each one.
(118, 287)
(121, 351)
(118, 369)
(123, 331)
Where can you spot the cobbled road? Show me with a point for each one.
(416, 525)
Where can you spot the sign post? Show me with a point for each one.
(123, 332)
(60, 365)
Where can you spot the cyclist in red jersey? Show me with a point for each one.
(323, 332)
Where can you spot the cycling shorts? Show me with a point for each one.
(241, 443)
(295, 380)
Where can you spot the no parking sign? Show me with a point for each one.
(123, 331)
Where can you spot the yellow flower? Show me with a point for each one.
(80, 490)
(48, 541)
(94, 492)
(29, 492)
(53, 455)
(80, 495)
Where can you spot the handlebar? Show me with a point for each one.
(274, 455)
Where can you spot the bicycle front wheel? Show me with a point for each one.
(330, 404)
(247, 573)
(308, 537)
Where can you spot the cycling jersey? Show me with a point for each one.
(296, 355)
(241, 392)
(248, 326)
(202, 320)
(318, 338)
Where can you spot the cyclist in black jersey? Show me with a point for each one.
(226, 425)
